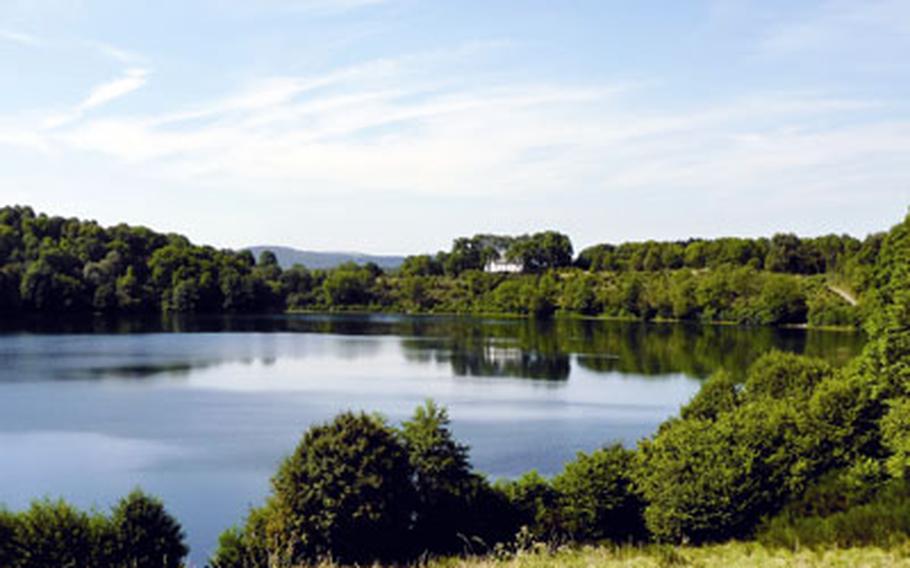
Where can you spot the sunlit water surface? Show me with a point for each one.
(200, 412)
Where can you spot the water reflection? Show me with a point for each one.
(471, 347)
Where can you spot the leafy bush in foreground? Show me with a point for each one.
(881, 518)
(138, 534)
(345, 492)
(146, 536)
(596, 500)
(455, 506)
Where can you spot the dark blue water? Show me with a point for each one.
(200, 412)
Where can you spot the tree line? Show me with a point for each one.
(55, 265)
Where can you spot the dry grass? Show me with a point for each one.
(724, 555)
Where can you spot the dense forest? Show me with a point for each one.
(53, 265)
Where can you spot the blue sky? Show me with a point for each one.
(397, 125)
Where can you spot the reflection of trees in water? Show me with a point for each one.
(473, 347)
(489, 348)
(511, 347)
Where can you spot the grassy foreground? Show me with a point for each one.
(731, 554)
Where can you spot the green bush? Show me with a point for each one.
(734, 456)
(827, 309)
(595, 497)
(344, 493)
(146, 536)
(535, 506)
(255, 545)
(716, 396)
(9, 540)
(880, 521)
(139, 533)
(697, 481)
(896, 437)
(53, 533)
(784, 375)
(449, 493)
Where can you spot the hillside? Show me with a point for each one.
(288, 257)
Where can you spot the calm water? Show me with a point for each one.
(201, 411)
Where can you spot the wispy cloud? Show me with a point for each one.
(102, 94)
(114, 52)
(20, 38)
(380, 127)
(106, 92)
(400, 124)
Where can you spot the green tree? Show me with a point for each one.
(718, 395)
(345, 493)
(53, 533)
(146, 535)
(535, 504)
(10, 548)
(596, 497)
(348, 285)
(448, 492)
(542, 251)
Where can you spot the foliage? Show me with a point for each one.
(53, 265)
(733, 456)
(535, 504)
(717, 395)
(9, 539)
(138, 533)
(596, 498)
(345, 492)
(146, 536)
(448, 491)
(879, 518)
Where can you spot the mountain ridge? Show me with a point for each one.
(288, 256)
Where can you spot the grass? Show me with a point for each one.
(734, 555)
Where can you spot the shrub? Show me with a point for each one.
(252, 546)
(880, 521)
(448, 492)
(53, 533)
(697, 481)
(784, 375)
(896, 437)
(716, 396)
(596, 500)
(827, 309)
(146, 535)
(713, 473)
(9, 541)
(534, 504)
(344, 493)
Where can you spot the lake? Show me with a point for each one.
(200, 411)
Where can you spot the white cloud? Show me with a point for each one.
(114, 52)
(395, 125)
(102, 94)
(20, 38)
(106, 92)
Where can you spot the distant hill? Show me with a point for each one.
(288, 257)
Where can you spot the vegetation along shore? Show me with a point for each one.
(799, 463)
(54, 265)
